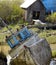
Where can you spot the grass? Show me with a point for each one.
(3, 34)
(43, 34)
(5, 49)
(51, 38)
(48, 35)
(54, 53)
(34, 29)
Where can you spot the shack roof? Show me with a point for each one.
(27, 3)
(48, 4)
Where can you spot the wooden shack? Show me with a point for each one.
(37, 9)
(34, 9)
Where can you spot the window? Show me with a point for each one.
(12, 41)
(18, 37)
(36, 14)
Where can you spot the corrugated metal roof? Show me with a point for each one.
(27, 3)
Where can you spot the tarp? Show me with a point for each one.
(49, 4)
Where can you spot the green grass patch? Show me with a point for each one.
(14, 27)
(34, 29)
(54, 53)
(3, 34)
(48, 35)
(43, 34)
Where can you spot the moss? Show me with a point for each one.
(54, 53)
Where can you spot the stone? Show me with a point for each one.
(41, 52)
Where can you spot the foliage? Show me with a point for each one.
(51, 18)
(54, 53)
(10, 11)
(50, 38)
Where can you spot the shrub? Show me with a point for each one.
(51, 18)
(10, 11)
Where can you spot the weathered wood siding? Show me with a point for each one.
(37, 6)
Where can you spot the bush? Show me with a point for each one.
(51, 18)
(10, 11)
